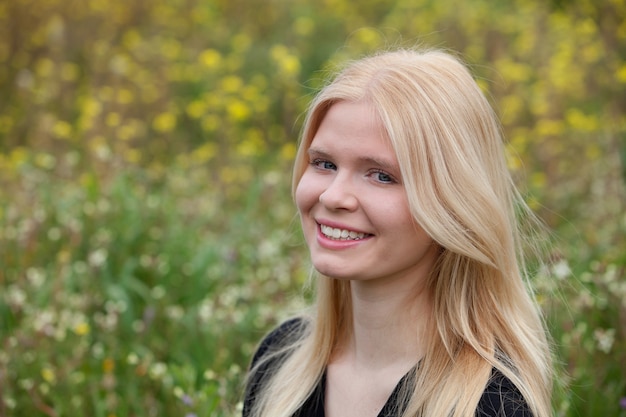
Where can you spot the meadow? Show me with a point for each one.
(147, 233)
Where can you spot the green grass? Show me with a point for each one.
(143, 299)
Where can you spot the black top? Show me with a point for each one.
(501, 397)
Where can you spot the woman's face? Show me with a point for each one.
(352, 203)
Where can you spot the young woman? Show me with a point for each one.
(412, 222)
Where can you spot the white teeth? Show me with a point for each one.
(342, 234)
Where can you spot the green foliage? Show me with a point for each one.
(136, 297)
(147, 237)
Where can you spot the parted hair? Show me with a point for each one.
(449, 147)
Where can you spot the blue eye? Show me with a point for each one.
(323, 164)
(383, 177)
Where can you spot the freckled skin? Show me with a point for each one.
(353, 182)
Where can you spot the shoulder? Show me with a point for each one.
(502, 398)
(279, 338)
(274, 346)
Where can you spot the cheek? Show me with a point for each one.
(305, 194)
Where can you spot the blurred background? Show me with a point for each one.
(147, 234)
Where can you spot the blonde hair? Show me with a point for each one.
(448, 144)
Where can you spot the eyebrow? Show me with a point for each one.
(367, 160)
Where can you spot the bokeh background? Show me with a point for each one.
(147, 234)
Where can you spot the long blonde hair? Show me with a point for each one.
(448, 144)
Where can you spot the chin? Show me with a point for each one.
(333, 273)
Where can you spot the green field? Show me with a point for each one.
(147, 233)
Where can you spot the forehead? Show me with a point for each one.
(353, 129)
(346, 120)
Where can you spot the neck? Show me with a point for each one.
(388, 325)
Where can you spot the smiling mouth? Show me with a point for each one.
(341, 234)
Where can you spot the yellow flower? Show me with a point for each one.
(550, 127)
(113, 119)
(231, 84)
(288, 151)
(132, 155)
(127, 132)
(210, 58)
(92, 107)
(196, 109)
(279, 51)
(512, 159)
(248, 147)
(125, 96)
(621, 74)
(62, 129)
(82, 328)
(290, 65)
(131, 38)
(164, 122)
(44, 67)
(48, 375)
(204, 153)
(581, 121)
(368, 37)
(238, 111)
(512, 106)
(18, 157)
(514, 71)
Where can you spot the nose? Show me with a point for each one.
(340, 194)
